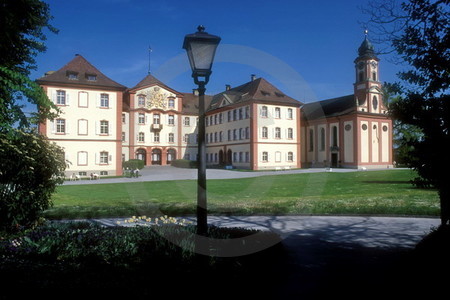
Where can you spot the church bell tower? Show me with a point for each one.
(368, 92)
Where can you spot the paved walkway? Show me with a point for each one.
(163, 173)
(353, 257)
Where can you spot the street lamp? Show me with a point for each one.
(201, 48)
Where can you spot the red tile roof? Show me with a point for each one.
(80, 72)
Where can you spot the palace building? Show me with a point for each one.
(252, 126)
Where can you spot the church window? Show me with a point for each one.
(311, 140)
(375, 102)
(361, 76)
(374, 76)
(335, 136)
(322, 139)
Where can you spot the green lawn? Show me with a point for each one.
(372, 192)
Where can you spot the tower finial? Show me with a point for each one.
(366, 31)
(149, 58)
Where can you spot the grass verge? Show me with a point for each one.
(375, 192)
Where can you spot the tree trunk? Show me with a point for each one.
(444, 195)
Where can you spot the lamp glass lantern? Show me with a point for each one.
(201, 49)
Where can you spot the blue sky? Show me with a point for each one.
(305, 48)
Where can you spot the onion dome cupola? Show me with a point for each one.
(367, 85)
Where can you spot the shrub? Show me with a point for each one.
(30, 169)
(184, 163)
(133, 164)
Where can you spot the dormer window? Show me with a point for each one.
(72, 75)
(91, 77)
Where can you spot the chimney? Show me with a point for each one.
(195, 92)
(227, 87)
(253, 77)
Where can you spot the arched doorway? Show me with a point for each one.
(141, 154)
(171, 155)
(229, 157)
(221, 158)
(156, 157)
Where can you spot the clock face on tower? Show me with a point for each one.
(360, 65)
(373, 64)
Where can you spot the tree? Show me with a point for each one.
(29, 169)
(418, 32)
(29, 165)
(22, 26)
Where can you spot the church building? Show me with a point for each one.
(252, 126)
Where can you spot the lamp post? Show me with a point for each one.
(201, 48)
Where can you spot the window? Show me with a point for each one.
(290, 156)
(361, 76)
(229, 134)
(141, 137)
(171, 103)
(72, 75)
(290, 133)
(235, 118)
(141, 100)
(123, 137)
(265, 156)
(186, 138)
(123, 118)
(216, 119)
(374, 76)
(187, 121)
(375, 102)
(206, 121)
(264, 111)
(91, 77)
(171, 120)
(141, 118)
(61, 97)
(247, 157)
(277, 112)
(235, 157)
(265, 133)
(156, 119)
(311, 140)
(229, 116)
(156, 137)
(241, 133)
(171, 138)
(104, 100)
(221, 136)
(335, 136)
(247, 132)
(241, 156)
(241, 114)
(220, 118)
(247, 112)
(216, 139)
(104, 157)
(235, 137)
(290, 114)
(104, 127)
(322, 139)
(61, 126)
(278, 133)
(104, 173)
